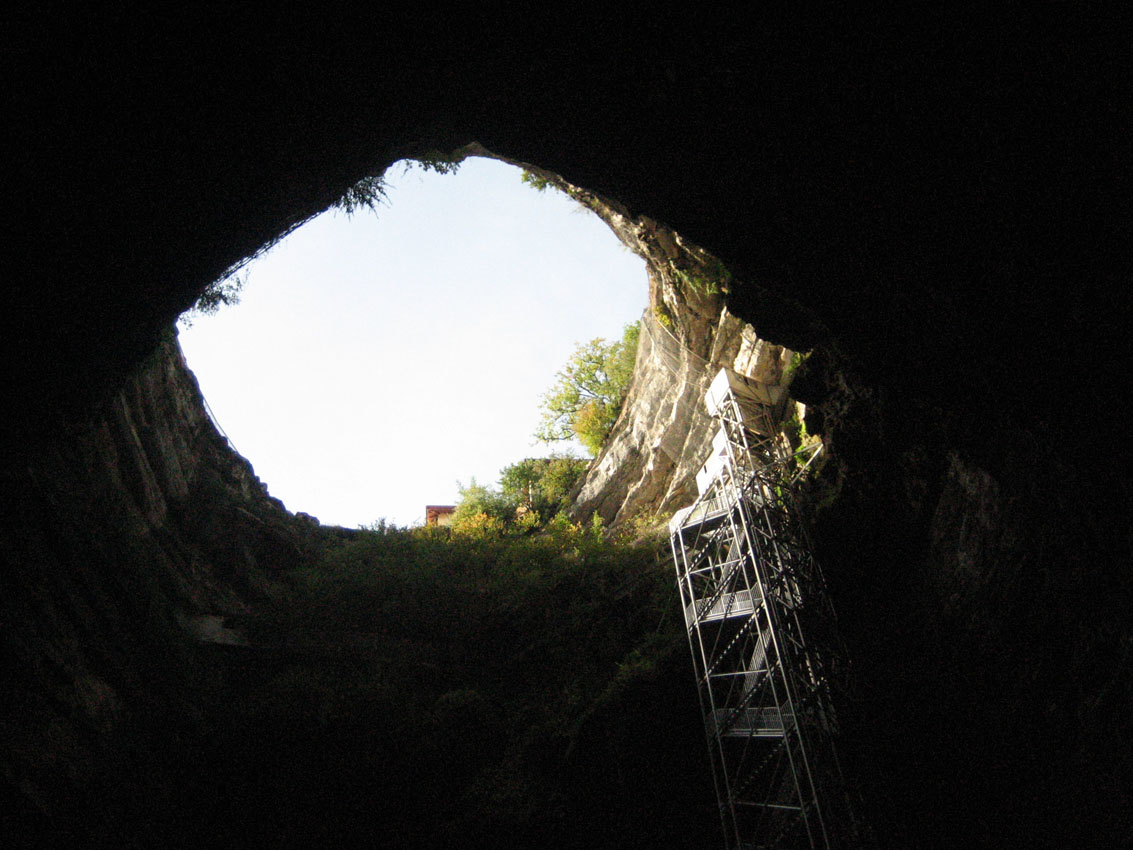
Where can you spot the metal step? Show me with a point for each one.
(742, 603)
(751, 723)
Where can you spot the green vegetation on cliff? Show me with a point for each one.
(589, 391)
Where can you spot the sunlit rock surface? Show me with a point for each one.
(648, 463)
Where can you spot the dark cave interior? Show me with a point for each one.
(930, 203)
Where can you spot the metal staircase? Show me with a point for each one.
(761, 632)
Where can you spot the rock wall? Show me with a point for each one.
(931, 202)
(663, 435)
(955, 546)
(130, 536)
(648, 465)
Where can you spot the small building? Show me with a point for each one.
(439, 514)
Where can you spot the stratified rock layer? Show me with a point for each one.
(128, 533)
(648, 464)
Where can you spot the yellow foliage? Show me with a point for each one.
(479, 526)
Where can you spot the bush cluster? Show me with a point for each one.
(533, 495)
(497, 672)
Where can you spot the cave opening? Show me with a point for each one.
(373, 671)
(942, 190)
(376, 359)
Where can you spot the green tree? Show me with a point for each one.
(558, 480)
(478, 499)
(589, 391)
(542, 484)
(521, 480)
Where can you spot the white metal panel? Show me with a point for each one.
(717, 460)
(678, 519)
(746, 390)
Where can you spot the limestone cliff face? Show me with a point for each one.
(648, 465)
(663, 434)
(130, 533)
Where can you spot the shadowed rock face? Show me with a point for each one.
(128, 536)
(929, 205)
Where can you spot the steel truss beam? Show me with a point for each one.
(762, 634)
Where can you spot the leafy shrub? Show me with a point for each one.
(496, 673)
(536, 181)
(479, 526)
(496, 509)
(436, 161)
(367, 194)
(223, 292)
(542, 485)
(702, 273)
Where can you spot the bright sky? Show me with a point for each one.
(374, 361)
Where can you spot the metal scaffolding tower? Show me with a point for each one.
(761, 631)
